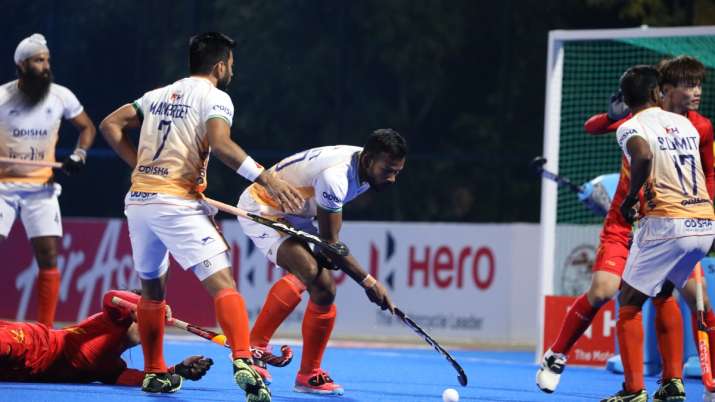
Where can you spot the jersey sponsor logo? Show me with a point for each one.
(34, 154)
(678, 143)
(207, 240)
(698, 224)
(223, 108)
(29, 132)
(142, 195)
(175, 110)
(176, 96)
(625, 135)
(18, 335)
(693, 201)
(153, 170)
(672, 130)
(331, 197)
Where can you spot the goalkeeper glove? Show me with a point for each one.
(617, 108)
(193, 367)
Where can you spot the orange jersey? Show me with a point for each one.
(30, 131)
(675, 187)
(173, 149)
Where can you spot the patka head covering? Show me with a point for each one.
(29, 47)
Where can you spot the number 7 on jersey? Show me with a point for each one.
(166, 125)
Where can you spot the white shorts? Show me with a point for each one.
(160, 224)
(266, 239)
(666, 249)
(37, 205)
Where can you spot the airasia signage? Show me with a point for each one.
(443, 275)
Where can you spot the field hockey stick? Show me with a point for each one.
(219, 339)
(595, 194)
(54, 165)
(703, 341)
(212, 336)
(338, 248)
(461, 376)
(537, 165)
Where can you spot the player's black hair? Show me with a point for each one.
(207, 49)
(681, 70)
(388, 141)
(637, 84)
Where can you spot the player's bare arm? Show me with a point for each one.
(114, 127)
(329, 224)
(86, 129)
(232, 155)
(641, 161)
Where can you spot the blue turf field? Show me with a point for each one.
(398, 375)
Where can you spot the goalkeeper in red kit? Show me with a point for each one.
(86, 352)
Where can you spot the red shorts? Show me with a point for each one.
(611, 257)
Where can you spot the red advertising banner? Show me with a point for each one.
(94, 256)
(596, 345)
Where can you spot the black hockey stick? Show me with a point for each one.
(338, 248)
(461, 376)
(537, 165)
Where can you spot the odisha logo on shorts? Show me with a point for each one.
(698, 223)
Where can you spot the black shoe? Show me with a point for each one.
(161, 382)
(671, 390)
(625, 396)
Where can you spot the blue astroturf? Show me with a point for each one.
(373, 375)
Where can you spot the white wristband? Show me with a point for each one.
(80, 153)
(368, 281)
(250, 169)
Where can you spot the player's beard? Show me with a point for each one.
(222, 83)
(35, 85)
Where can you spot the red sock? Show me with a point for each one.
(151, 315)
(233, 318)
(282, 299)
(669, 331)
(576, 322)
(318, 324)
(630, 341)
(48, 290)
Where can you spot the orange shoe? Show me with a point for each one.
(317, 382)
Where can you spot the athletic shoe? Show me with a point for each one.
(549, 374)
(317, 382)
(671, 390)
(161, 382)
(625, 396)
(708, 396)
(250, 381)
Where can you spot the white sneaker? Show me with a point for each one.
(549, 374)
(708, 396)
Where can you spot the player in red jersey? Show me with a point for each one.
(87, 352)
(681, 85)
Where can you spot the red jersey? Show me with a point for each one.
(615, 228)
(87, 352)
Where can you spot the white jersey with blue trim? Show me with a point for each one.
(327, 178)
